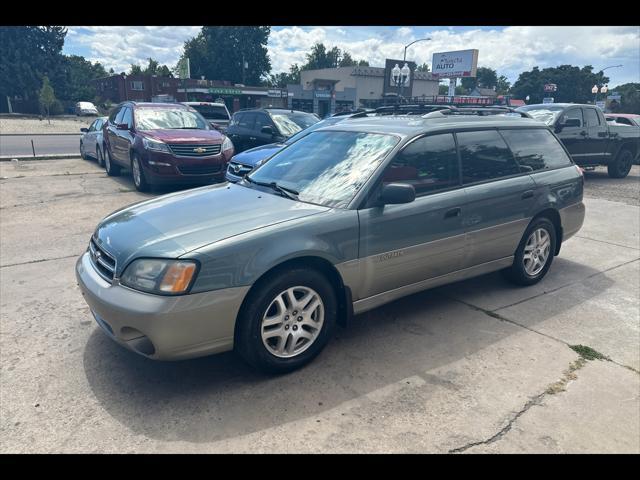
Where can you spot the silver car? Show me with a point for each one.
(91, 141)
(348, 218)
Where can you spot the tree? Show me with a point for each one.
(422, 68)
(503, 85)
(28, 53)
(347, 61)
(135, 69)
(443, 89)
(573, 83)
(73, 81)
(485, 78)
(363, 63)
(629, 97)
(218, 52)
(47, 96)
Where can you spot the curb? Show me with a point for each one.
(22, 158)
(35, 134)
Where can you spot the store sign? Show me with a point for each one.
(226, 91)
(277, 93)
(550, 87)
(320, 94)
(461, 63)
(600, 104)
(547, 100)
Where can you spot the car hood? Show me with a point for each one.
(254, 155)
(173, 225)
(184, 135)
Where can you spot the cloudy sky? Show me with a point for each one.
(508, 50)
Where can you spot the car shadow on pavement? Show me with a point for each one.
(220, 397)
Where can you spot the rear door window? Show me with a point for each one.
(485, 156)
(591, 117)
(536, 149)
(428, 163)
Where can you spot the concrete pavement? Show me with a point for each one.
(478, 366)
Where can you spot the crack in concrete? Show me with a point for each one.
(608, 243)
(67, 197)
(39, 261)
(568, 375)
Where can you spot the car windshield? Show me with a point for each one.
(212, 112)
(312, 128)
(546, 114)
(327, 167)
(167, 118)
(291, 123)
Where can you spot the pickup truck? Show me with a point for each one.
(589, 138)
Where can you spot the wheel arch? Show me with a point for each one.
(319, 264)
(554, 217)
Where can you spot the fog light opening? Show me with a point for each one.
(138, 341)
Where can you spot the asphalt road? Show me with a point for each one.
(44, 144)
(476, 366)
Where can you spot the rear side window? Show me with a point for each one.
(536, 149)
(591, 117)
(429, 164)
(485, 156)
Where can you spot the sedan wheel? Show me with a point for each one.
(138, 175)
(292, 321)
(99, 156)
(534, 254)
(112, 170)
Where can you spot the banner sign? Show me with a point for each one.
(550, 87)
(547, 100)
(225, 91)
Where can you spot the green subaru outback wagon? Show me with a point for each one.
(348, 218)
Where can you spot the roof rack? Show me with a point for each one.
(425, 109)
(410, 109)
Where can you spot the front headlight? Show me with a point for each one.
(155, 145)
(227, 144)
(164, 277)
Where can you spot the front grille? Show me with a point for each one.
(195, 150)
(199, 169)
(239, 169)
(105, 264)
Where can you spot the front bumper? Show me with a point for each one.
(161, 327)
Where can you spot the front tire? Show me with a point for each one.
(137, 173)
(112, 169)
(99, 156)
(287, 320)
(621, 166)
(535, 253)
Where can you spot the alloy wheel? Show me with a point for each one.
(292, 322)
(136, 172)
(536, 251)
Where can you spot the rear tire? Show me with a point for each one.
(139, 180)
(83, 155)
(111, 169)
(99, 156)
(535, 253)
(275, 333)
(621, 166)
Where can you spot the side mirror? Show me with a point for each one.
(122, 126)
(84, 130)
(393, 193)
(215, 125)
(267, 130)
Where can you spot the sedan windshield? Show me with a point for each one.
(291, 123)
(166, 118)
(546, 113)
(326, 167)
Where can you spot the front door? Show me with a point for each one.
(408, 243)
(574, 138)
(499, 197)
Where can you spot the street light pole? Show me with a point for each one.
(404, 61)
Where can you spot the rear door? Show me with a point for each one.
(407, 243)
(112, 132)
(499, 195)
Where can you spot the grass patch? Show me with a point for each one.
(588, 353)
(569, 375)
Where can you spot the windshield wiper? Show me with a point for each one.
(284, 191)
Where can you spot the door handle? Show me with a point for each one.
(583, 133)
(252, 138)
(527, 194)
(454, 212)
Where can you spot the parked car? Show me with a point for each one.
(260, 126)
(244, 162)
(164, 143)
(216, 113)
(630, 119)
(590, 139)
(349, 217)
(86, 108)
(91, 142)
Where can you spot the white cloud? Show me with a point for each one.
(509, 50)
